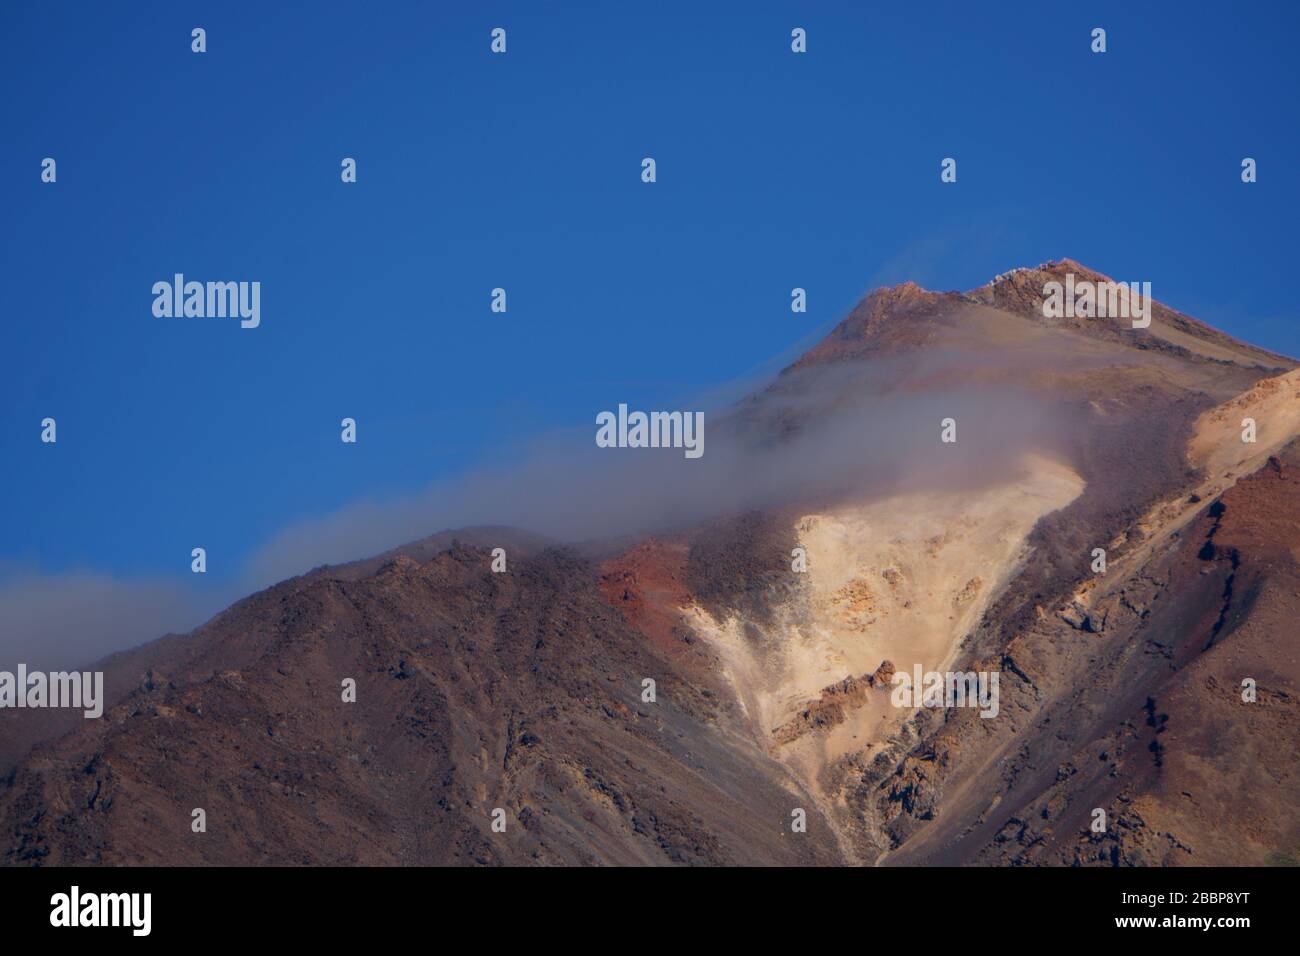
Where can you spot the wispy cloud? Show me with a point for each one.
(868, 428)
(68, 620)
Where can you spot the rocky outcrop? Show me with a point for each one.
(834, 704)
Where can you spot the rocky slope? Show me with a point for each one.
(524, 692)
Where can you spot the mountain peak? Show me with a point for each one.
(887, 319)
(1024, 291)
(1056, 268)
(906, 316)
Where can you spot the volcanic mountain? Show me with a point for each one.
(1106, 517)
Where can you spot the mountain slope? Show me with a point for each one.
(1120, 690)
(474, 691)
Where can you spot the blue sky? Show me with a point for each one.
(522, 171)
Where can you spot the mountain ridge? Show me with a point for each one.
(1020, 292)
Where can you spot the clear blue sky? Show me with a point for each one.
(775, 170)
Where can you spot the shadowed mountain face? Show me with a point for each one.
(1160, 690)
(475, 691)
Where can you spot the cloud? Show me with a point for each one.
(863, 428)
(70, 620)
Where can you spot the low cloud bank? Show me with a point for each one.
(864, 429)
(53, 622)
